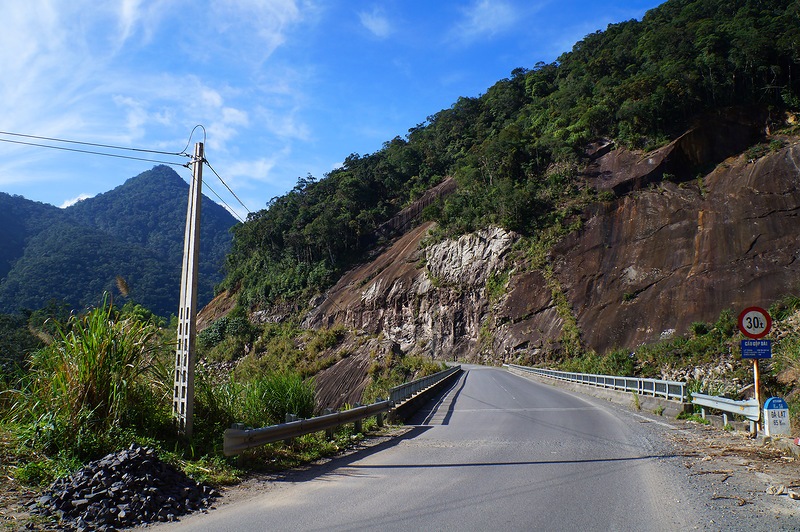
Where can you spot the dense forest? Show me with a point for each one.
(515, 150)
(134, 232)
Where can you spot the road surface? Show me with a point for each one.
(497, 452)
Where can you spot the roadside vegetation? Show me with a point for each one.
(83, 385)
(708, 358)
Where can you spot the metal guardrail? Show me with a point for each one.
(404, 391)
(672, 390)
(237, 440)
(748, 408)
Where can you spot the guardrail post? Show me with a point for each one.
(703, 412)
(328, 432)
(724, 419)
(357, 424)
(379, 417)
(289, 419)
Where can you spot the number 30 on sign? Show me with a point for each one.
(755, 322)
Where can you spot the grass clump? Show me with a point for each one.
(697, 418)
(496, 285)
(268, 399)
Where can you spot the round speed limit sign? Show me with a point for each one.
(755, 322)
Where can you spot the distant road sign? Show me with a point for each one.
(755, 322)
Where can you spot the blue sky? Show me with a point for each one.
(283, 88)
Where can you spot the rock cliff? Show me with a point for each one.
(694, 230)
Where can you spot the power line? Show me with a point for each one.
(125, 148)
(118, 156)
(230, 209)
(96, 145)
(189, 140)
(226, 186)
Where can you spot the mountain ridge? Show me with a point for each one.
(134, 231)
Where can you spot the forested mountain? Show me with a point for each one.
(21, 219)
(515, 151)
(134, 232)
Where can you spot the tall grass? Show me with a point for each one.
(269, 399)
(90, 382)
(259, 402)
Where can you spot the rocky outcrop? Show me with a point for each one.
(430, 300)
(645, 265)
(690, 155)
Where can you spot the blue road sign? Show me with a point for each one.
(756, 348)
(775, 403)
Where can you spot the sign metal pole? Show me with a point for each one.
(755, 323)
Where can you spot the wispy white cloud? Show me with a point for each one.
(286, 124)
(376, 22)
(258, 169)
(259, 27)
(73, 201)
(85, 71)
(140, 20)
(484, 18)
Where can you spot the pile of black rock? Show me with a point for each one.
(123, 489)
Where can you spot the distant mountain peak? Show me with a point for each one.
(135, 230)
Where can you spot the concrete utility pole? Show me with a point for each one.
(183, 396)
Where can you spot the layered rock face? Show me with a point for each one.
(678, 246)
(661, 258)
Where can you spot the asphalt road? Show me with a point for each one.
(497, 452)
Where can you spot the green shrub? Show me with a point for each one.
(40, 473)
(394, 371)
(323, 339)
(225, 327)
(726, 325)
(699, 328)
(693, 417)
(785, 307)
(620, 362)
(776, 145)
(496, 283)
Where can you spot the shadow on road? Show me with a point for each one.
(364, 449)
(442, 399)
